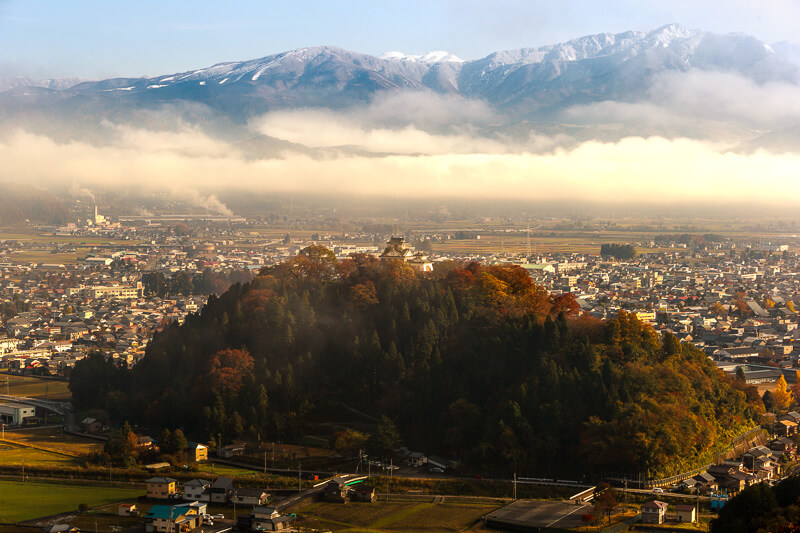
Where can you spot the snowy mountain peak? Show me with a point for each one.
(438, 56)
(672, 31)
(665, 35)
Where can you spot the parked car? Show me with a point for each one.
(436, 469)
(218, 516)
(658, 490)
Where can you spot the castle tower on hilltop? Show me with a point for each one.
(396, 250)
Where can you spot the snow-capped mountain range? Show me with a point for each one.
(438, 56)
(528, 83)
(6, 84)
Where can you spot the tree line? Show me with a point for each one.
(618, 251)
(181, 283)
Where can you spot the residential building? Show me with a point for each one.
(221, 490)
(161, 488)
(197, 489)
(171, 519)
(654, 512)
(686, 513)
(244, 496)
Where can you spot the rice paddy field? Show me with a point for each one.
(13, 454)
(30, 235)
(31, 500)
(33, 387)
(39, 247)
(563, 235)
(395, 516)
(53, 438)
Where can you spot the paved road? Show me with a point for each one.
(61, 408)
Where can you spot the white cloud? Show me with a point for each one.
(635, 170)
(325, 129)
(702, 104)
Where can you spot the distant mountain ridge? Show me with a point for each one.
(27, 202)
(6, 84)
(527, 80)
(543, 90)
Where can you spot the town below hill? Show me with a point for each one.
(649, 361)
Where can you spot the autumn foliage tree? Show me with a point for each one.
(605, 500)
(226, 371)
(782, 397)
(121, 445)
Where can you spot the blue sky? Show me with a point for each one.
(104, 38)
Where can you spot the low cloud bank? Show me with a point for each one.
(672, 146)
(634, 170)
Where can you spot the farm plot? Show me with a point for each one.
(27, 501)
(444, 517)
(11, 454)
(34, 387)
(362, 515)
(397, 516)
(54, 439)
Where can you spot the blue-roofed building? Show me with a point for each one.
(172, 519)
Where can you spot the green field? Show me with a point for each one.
(53, 438)
(225, 470)
(34, 387)
(27, 501)
(22, 234)
(66, 258)
(11, 454)
(394, 516)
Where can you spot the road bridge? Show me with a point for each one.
(61, 408)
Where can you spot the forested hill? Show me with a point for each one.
(475, 363)
(21, 202)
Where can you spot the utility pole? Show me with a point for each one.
(515, 485)
(265, 464)
(626, 492)
(697, 505)
(299, 478)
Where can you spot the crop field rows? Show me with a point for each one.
(396, 516)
